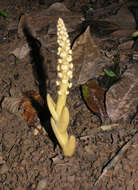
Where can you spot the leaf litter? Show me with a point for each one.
(118, 156)
(122, 97)
(94, 96)
(87, 59)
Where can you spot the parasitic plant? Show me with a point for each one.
(59, 111)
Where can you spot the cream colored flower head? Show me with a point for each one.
(65, 65)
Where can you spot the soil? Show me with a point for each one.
(29, 161)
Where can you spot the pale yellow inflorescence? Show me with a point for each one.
(65, 65)
(59, 110)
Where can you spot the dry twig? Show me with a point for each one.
(111, 163)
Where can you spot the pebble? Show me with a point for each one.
(36, 132)
(3, 169)
(1, 160)
(42, 184)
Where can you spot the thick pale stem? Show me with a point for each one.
(69, 148)
(61, 101)
(61, 137)
(52, 107)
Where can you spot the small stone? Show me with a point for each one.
(36, 132)
(136, 184)
(3, 169)
(19, 188)
(1, 119)
(71, 179)
(35, 156)
(122, 133)
(89, 150)
(39, 126)
(1, 160)
(23, 162)
(33, 186)
(42, 184)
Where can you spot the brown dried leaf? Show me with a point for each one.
(23, 106)
(122, 98)
(45, 22)
(124, 18)
(12, 105)
(125, 21)
(102, 28)
(94, 97)
(87, 60)
(21, 51)
(122, 33)
(29, 113)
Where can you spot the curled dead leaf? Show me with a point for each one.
(122, 98)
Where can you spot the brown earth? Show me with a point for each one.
(29, 161)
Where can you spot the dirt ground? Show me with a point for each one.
(29, 161)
